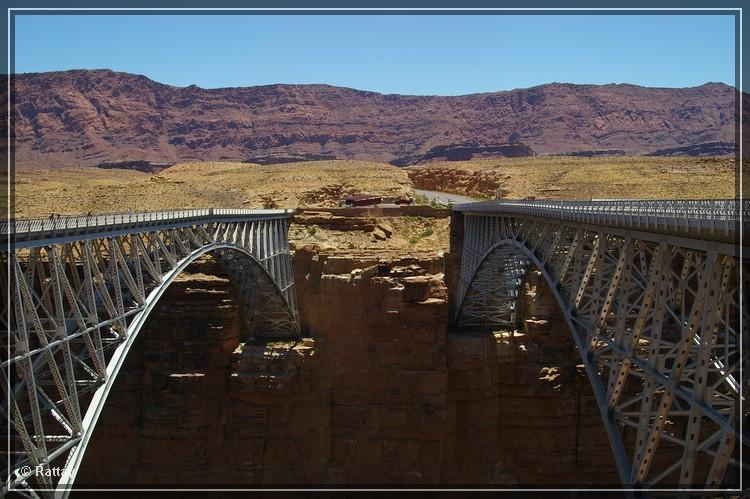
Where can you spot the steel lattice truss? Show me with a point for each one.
(655, 317)
(80, 291)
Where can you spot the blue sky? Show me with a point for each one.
(425, 55)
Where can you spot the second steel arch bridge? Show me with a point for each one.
(650, 291)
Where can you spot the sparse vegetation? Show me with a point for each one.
(242, 185)
(419, 228)
(269, 203)
(564, 177)
(413, 233)
(421, 199)
(77, 190)
(200, 185)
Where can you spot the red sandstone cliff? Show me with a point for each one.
(92, 117)
(382, 394)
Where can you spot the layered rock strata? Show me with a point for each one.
(378, 391)
(91, 117)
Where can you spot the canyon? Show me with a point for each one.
(101, 117)
(379, 390)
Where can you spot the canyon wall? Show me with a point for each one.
(384, 321)
(197, 403)
(378, 391)
(521, 409)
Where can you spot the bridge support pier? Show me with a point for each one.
(453, 263)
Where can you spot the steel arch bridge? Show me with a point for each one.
(76, 292)
(650, 293)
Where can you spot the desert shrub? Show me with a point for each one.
(269, 203)
(421, 199)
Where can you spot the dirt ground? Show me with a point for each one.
(411, 234)
(202, 185)
(549, 177)
(323, 183)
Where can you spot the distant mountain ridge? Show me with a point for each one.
(92, 117)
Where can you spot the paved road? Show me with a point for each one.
(444, 197)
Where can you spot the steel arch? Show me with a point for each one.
(644, 312)
(618, 447)
(80, 288)
(96, 405)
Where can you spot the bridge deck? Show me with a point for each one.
(704, 219)
(33, 232)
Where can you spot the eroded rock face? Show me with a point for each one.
(198, 403)
(379, 392)
(527, 394)
(445, 179)
(279, 412)
(384, 321)
(91, 117)
(465, 152)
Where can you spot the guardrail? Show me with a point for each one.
(711, 216)
(27, 227)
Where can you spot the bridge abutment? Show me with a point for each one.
(453, 260)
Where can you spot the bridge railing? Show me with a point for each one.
(24, 227)
(714, 216)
